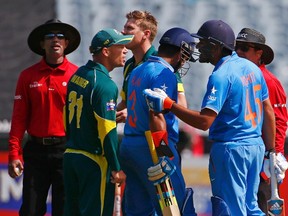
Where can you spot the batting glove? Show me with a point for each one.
(265, 171)
(157, 100)
(281, 166)
(161, 171)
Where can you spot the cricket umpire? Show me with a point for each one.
(38, 109)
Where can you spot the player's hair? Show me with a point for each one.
(145, 20)
(167, 50)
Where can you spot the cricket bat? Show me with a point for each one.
(275, 204)
(165, 191)
(117, 201)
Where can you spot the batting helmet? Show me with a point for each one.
(217, 31)
(181, 38)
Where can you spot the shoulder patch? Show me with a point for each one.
(212, 96)
(110, 106)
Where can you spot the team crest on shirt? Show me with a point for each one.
(212, 95)
(110, 106)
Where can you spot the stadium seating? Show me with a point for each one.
(269, 17)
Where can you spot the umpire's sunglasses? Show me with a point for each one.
(52, 35)
(245, 47)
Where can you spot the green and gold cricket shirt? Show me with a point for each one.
(90, 113)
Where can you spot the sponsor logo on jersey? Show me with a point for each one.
(110, 106)
(279, 105)
(35, 85)
(212, 95)
(17, 97)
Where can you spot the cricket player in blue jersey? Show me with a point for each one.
(235, 109)
(175, 49)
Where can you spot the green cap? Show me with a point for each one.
(108, 37)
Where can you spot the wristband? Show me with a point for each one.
(168, 102)
(267, 153)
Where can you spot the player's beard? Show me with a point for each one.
(177, 66)
(205, 55)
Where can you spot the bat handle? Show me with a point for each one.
(274, 186)
(117, 201)
(151, 145)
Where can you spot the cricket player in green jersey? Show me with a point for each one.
(91, 166)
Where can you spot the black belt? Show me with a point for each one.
(48, 140)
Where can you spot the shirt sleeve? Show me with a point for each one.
(19, 118)
(277, 98)
(105, 112)
(180, 85)
(216, 93)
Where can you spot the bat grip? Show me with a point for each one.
(274, 186)
(151, 145)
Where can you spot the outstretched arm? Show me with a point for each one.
(201, 120)
(158, 101)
